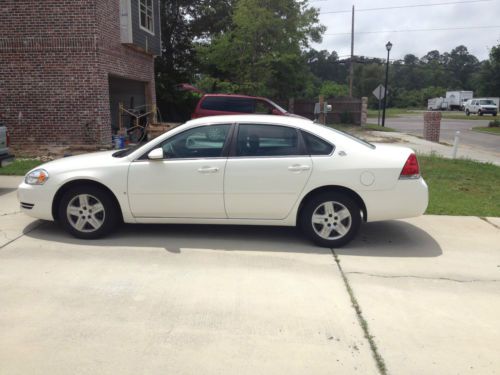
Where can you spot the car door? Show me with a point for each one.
(188, 182)
(266, 172)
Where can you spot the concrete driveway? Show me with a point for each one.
(249, 300)
(414, 125)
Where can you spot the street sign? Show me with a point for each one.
(379, 92)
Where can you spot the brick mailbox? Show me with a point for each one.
(432, 126)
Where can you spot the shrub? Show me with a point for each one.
(494, 124)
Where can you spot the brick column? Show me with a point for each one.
(364, 110)
(432, 126)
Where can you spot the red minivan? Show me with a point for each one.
(229, 104)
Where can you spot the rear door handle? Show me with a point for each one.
(207, 170)
(299, 168)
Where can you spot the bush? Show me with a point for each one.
(494, 124)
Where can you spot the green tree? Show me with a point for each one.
(262, 50)
(489, 74)
(330, 89)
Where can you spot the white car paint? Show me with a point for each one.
(239, 190)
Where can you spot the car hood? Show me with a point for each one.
(78, 162)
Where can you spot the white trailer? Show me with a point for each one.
(457, 99)
(437, 104)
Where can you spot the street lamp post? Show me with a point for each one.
(388, 46)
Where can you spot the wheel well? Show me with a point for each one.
(63, 189)
(335, 189)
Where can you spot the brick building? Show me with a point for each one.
(66, 64)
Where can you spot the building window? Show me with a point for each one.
(146, 15)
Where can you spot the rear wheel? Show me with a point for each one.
(479, 113)
(330, 219)
(88, 212)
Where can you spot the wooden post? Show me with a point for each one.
(291, 105)
(120, 117)
(322, 117)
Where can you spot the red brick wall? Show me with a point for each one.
(55, 58)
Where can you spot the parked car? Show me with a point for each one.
(228, 104)
(481, 107)
(5, 156)
(246, 169)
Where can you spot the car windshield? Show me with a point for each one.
(277, 106)
(486, 102)
(350, 136)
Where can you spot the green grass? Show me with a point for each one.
(461, 187)
(378, 128)
(391, 112)
(19, 167)
(492, 130)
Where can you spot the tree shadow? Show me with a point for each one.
(4, 191)
(384, 239)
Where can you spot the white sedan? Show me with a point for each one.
(246, 170)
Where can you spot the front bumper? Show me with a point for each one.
(35, 201)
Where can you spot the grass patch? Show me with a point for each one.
(19, 167)
(461, 187)
(378, 128)
(489, 130)
(393, 112)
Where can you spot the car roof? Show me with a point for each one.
(234, 96)
(254, 119)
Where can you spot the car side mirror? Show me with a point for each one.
(156, 154)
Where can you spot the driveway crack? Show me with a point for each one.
(489, 222)
(422, 277)
(10, 213)
(379, 361)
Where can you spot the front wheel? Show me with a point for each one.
(479, 113)
(88, 212)
(467, 112)
(330, 219)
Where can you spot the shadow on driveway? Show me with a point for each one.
(4, 191)
(384, 239)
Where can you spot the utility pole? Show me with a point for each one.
(351, 73)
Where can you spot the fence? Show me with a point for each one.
(344, 110)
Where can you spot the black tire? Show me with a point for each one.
(467, 113)
(479, 113)
(315, 206)
(108, 217)
(494, 114)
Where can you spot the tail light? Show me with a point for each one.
(8, 138)
(411, 169)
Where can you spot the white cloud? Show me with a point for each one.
(478, 41)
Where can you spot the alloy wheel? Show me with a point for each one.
(331, 220)
(85, 213)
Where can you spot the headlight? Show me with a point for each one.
(37, 177)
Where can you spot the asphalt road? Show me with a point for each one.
(169, 299)
(414, 125)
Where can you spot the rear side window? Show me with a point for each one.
(267, 140)
(316, 146)
(226, 104)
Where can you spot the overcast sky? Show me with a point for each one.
(478, 41)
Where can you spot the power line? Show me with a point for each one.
(419, 30)
(408, 6)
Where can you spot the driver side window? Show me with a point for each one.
(200, 142)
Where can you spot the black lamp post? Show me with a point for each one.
(388, 46)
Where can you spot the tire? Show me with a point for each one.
(479, 113)
(494, 114)
(98, 210)
(319, 209)
(467, 112)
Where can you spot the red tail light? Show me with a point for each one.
(411, 168)
(8, 138)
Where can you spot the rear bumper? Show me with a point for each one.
(6, 159)
(409, 198)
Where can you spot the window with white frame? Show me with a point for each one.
(146, 15)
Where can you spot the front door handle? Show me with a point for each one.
(298, 168)
(207, 170)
